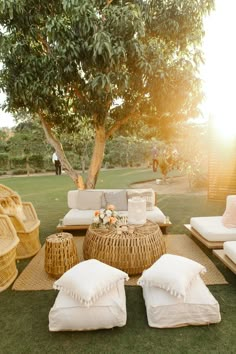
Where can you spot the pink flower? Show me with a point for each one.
(111, 207)
(113, 220)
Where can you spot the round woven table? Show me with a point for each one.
(60, 254)
(131, 248)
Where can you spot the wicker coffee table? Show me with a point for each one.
(132, 249)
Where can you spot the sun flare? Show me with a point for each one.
(219, 72)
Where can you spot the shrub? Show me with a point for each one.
(4, 162)
(19, 171)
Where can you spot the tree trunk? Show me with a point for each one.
(97, 158)
(55, 143)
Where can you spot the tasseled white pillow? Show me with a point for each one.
(172, 273)
(89, 280)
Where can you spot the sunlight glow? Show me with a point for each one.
(219, 71)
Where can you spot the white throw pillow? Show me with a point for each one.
(89, 280)
(172, 273)
(229, 216)
(118, 199)
(89, 200)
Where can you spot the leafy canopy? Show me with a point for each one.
(108, 61)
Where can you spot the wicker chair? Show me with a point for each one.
(24, 218)
(8, 244)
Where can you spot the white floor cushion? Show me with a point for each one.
(109, 311)
(212, 228)
(230, 250)
(166, 311)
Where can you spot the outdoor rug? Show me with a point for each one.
(34, 276)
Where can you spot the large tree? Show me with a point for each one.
(112, 62)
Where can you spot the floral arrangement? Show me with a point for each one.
(106, 217)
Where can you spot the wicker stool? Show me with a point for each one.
(60, 254)
(8, 244)
(132, 249)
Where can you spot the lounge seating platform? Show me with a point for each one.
(225, 259)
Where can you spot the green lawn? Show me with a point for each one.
(24, 315)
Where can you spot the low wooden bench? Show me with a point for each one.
(208, 244)
(72, 228)
(225, 259)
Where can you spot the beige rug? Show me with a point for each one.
(34, 277)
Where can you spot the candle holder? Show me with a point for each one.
(137, 211)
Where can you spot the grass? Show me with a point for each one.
(24, 314)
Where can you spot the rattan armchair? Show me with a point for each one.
(8, 244)
(24, 218)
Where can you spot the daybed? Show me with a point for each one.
(84, 203)
(213, 231)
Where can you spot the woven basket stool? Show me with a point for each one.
(132, 249)
(60, 254)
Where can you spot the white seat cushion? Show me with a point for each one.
(212, 228)
(78, 217)
(85, 217)
(230, 250)
(156, 215)
(165, 310)
(68, 314)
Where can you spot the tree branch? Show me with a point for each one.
(124, 120)
(55, 143)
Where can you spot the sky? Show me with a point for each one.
(219, 71)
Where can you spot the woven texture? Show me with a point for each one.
(34, 276)
(60, 254)
(131, 251)
(8, 244)
(27, 228)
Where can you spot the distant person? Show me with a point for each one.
(57, 163)
(155, 153)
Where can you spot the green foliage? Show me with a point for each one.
(72, 59)
(36, 161)
(4, 161)
(19, 171)
(16, 162)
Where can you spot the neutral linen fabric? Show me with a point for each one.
(229, 216)
(172, 273)
(85, 217)
(79, 217)
(212, 228)
(68, 314)
(102, 278)
(230, 250)
(118, 199)
(165, 310)
(85, 200)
